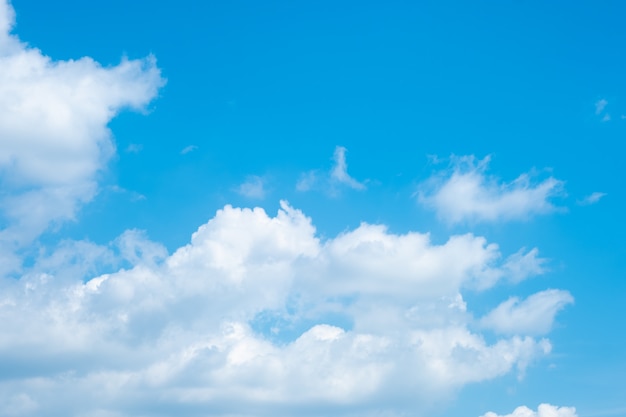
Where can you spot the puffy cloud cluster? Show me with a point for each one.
(544, 410)
(53, 130)
(466, 193)
(255, 316)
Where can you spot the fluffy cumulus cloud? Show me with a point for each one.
(544, 410)
(466, 193)
(256, 316)
(53, 129)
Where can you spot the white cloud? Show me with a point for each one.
(337, 177)
(339, 172)
(134, 148)
(359, 320)
(544, 410)
(188, 149)
(307, 181)
(53, 129)
(253, 187)
(592, 198)
(534, 315)
(467, 193)
(600, 110)
(522, 265)
(133, 195)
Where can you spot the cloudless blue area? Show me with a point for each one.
(271, 88)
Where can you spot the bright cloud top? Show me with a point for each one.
(544, 410)
(53, 129)
(467, 193)
(255, 313)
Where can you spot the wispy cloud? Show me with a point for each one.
(307, 180)
(330, 181)
(601, 110)
(134, 148)
(522, 265)
(592, 198)
(464, 192)
(253, 187)
(339, 172)
(134, 195)
(188, 149)
(534, 315)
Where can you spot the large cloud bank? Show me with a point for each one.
(255, 316)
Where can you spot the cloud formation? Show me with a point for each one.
(253, 187)
(544, 410)
(592, 198)
(255, 316)
(466, 193)
(600, 110)
(338, 176)
(339, 172)
(534, 315)
(53, 129)
(188, 149)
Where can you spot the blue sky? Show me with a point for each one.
(326, 209)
